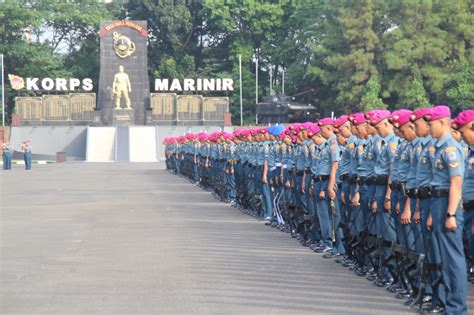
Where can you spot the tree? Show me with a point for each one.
(371, 99)
(48, 38)
(415, 94)
(460, 85)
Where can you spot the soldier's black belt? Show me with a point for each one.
(468, 205)
(371, 181)
(344, 176)
(362, 181)
(396, 186)
(300, 173)
(381, 180)
(423, 192)
(440, 193)
(352, 180)
(320, 178)
(412, 193)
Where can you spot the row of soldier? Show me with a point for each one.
(389, 195)
(25, 149)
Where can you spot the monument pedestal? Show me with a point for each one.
(122, 117)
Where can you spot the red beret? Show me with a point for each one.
(341, 120)
(368, 115)
(357, 119)
(326, 121)
(379, 116)
(463, 119)
(438, 112)
(313, 130)
(400, 117)
(419, 113)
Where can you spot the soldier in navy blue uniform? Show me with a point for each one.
(26, 147)
(465, 124)
(446, 218)
(381, 204)
(7, 155)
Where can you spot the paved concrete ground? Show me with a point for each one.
(133, 239)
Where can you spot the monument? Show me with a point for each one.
(123, 72)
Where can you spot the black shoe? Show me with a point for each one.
(314, 246)
(331, 254)
(340, 259)
(372, 276)
(347, 263)
(435, 309)
(362, 272)
(323, 249)
(405, 295)
(382, 282)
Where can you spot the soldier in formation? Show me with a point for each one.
(389, 195)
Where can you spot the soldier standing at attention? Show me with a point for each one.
(26, 147)
(7, 155)
(465, 124)
(381, 204)
(446, 218)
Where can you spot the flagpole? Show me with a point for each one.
(240, 79)
(3, 94)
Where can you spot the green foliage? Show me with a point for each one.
(415, 96)
(371, 99)
(460, 85)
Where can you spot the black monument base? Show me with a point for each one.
(122, 117)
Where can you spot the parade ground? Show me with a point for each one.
(125, 238)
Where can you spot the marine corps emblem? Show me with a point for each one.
(123, 46)
(16, 82)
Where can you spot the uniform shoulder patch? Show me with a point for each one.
(450, 149)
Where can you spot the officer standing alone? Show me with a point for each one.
(7, 155)
(26, 147)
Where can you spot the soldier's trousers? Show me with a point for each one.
(287, 193)
(469, 230)
(301, 200)
(322, 210)
(27, 158)
(416, 229)
(452, 256)
(404, 231)
(385, 223)
(7, 160)
(356, 213)
(196, 172)
(372, 218)
(431, 249)
(231, 192)
(265, 191)
(346, 203)
(339, 233)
